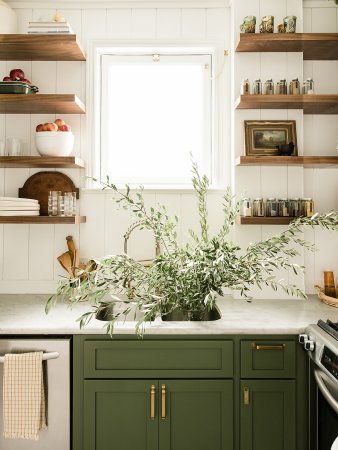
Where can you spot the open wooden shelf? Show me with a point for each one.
(241, 220)
(306, 161)
(310, 104)
(315, 46)
(41, 161)
(40, 47)
(43, 219)
(41, 104)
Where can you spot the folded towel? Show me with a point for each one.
(24, 408)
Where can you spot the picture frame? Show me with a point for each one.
(263, 136)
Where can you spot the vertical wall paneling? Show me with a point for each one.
(168, 23)
(119, 23)
(16, 258)
(143, 23)
(41, 239)
(194, 23)
(1, 251)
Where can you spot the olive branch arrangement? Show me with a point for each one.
(189, 277)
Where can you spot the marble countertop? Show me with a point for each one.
(24, 314)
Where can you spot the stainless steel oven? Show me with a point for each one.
(321, 343)
(57, 370)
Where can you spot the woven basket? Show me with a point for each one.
(331, 301)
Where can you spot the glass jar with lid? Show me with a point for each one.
(271, 207)
(283, 207)
(258, 207)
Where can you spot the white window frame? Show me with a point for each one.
(220, 127)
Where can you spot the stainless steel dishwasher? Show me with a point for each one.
(57, 371)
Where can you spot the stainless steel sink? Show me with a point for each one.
(180, 316)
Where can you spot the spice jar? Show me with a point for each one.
(257, 87)
(246, 209)
(271, 207)
(281, 87)
(294, 87)
(245, 87)
(308, 86)
(258, 207)
(269, 87)
(295, 207)
(283, 207)
(307, 207)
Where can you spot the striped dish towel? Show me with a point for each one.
(24, 407)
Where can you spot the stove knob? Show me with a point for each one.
(309, 345)
(302, 338)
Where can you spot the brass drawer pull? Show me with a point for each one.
(152, 402)
(163, 401)
(268, 347)
(246, 396)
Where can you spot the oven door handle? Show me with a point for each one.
(324, 390)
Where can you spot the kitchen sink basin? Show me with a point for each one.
(180, 316)
(108, 312)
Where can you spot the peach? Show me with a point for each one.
(59, 122)
(39, 127)
(65, 127)
(52, 127)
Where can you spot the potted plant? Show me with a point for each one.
(191, 277)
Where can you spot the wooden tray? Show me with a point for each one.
(38, 185)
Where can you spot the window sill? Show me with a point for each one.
(155, 190)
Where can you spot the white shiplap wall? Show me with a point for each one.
(28, 252)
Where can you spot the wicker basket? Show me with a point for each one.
(331, 301)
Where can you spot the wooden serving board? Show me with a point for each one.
(38, 185)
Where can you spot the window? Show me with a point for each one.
(155, 110)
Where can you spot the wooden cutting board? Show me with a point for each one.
(38, 185)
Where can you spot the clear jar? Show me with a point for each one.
(61, 205)
(294, 87)
(283, 207)
(269, 87)
(271, 207)
(245, 87)
(281, 87)
(307, 207)
(308, 86)
(246, 207)
(295, 207)
(53, 197)
(258, 207)
(257, 87)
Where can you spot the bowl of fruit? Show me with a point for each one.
(54, 139)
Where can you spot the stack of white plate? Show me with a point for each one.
(13, 206)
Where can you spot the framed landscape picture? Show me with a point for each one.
(263, 136)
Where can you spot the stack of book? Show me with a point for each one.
(50, 27)
(13, 206)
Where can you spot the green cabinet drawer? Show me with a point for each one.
(171, 359)
(268, 359)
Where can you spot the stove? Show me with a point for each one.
(321, 343)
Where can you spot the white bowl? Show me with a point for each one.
(54, 143)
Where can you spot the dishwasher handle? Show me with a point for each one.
(325, 391)
(45, 356)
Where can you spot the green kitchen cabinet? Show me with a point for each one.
(268, 415)
(158, 414)
(243, 392)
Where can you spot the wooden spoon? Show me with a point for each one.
(66, 263)
(71, 248)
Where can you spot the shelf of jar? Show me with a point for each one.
(40, 47)
(245, 220)
(41, 104)
(310, 104)
(315, 46)
(41, 161)
(42, 219)
(305, 161)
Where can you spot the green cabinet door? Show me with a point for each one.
(196, 415)
(117, 415)
(268, 415)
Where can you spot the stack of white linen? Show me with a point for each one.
(13, 206)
